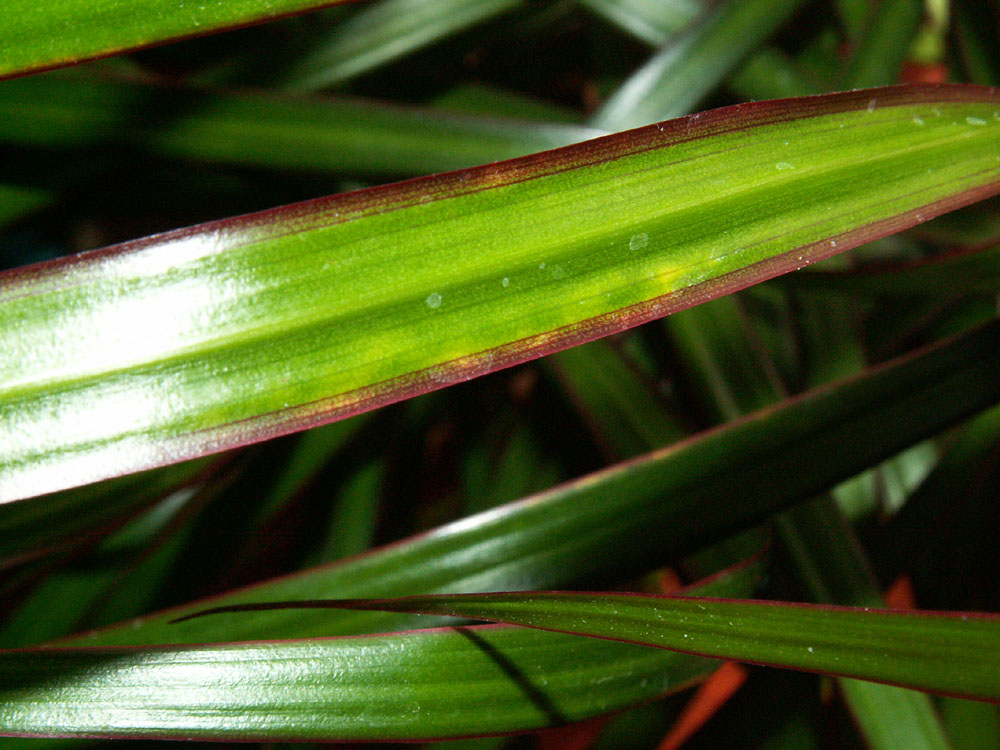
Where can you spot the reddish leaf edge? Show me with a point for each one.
(237, 231)
(64, 62)
(316, 213)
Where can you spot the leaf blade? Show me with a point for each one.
(284, 320)
(951, 653)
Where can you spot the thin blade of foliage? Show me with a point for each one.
(395, 686)
(63, 110)
(583, 532)
(969, 269)
(131, 563)
(385, 31)
(490, 101)
(624, 412)
(770, 74)
(690, 65)
(29, 530)
(37, 36)
(884, 44)
(938, 505)
(737, 376)
(652, 21)
(284, 320)
(951, 653)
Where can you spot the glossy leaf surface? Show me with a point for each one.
(237, 331)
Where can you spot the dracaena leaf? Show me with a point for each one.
(226, 333)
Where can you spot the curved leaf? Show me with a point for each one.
(232, 332)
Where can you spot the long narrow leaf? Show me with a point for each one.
(652, 21)
(237, 331)
(61, 110)
(689, 66)
(385, 31)
(944, 652)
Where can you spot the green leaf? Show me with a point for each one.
(36, 36)
(117, 578)
(385, 31)
(624, 411)
(734, 370)
(68, 110)
(770, 74)
(932, 522)
(29, 530)
(972, 725)
(963, 270)
(885, 43)
(943, 652)
(284, 320)
(652, 21)
(395, 686)
(692, 64)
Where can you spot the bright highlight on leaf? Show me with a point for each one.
(943, 652)
(227, 333)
